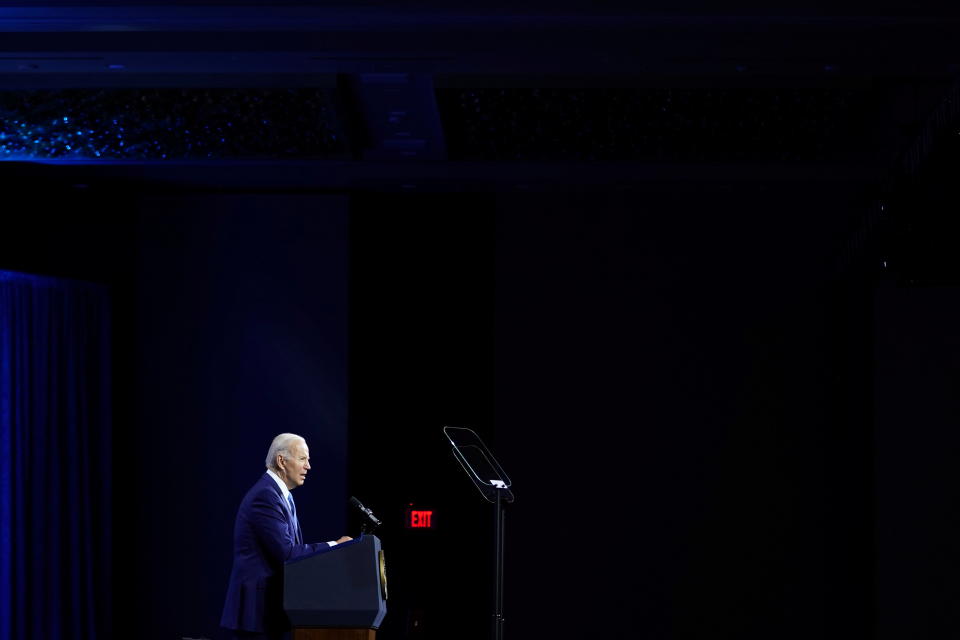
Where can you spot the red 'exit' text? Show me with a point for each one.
(421, 519)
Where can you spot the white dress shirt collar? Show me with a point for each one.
(280, 483)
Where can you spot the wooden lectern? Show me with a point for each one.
(338, 594)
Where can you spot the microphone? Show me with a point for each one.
(367, 512)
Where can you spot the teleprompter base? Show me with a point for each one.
(317, 633)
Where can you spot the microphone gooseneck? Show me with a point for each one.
(367, 512)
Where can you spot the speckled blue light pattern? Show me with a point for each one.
(91, 125)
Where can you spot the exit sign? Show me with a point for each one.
(419, 519)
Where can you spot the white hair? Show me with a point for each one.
(281, 445)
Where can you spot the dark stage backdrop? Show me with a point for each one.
(241, 333)
(670, 399)
(421, 357)
(677, 395)
(666, 376)
(918, 445)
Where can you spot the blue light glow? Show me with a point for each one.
(78, 125)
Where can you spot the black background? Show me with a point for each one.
(716, 427)
(674, 383)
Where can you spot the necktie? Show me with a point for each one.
(296, 523)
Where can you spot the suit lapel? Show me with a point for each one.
(291, 525)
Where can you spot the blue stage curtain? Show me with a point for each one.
(55, 467)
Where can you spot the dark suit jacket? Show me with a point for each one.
(264, 538)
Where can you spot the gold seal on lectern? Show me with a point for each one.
(383, 575)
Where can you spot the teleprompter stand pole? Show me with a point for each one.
(498, 571)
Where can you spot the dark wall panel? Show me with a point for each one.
(421, 342)
(671, 392)
(241, 334)
(666, 402)
(917, 493)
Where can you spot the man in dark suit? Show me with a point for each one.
(267, 534)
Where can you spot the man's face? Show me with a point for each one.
(293, 469)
